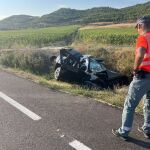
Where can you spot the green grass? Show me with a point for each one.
(116, 36)
(37, 37)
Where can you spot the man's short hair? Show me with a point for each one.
(145, 20)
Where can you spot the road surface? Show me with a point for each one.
(34, 117)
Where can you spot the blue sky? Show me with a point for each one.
(41, 7)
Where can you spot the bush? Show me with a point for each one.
(38, 62)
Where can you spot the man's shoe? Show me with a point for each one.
(117, 134)
(140, 129)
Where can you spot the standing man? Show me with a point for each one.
(140, 84)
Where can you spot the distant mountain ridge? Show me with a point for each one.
(67, 16)
(18, 21)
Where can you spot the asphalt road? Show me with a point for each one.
(66, 122)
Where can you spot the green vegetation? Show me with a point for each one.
(37, 62)
(66, 35)
(72, 16)
(67, 16)
(116, 36)
(37, 37)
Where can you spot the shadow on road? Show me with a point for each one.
(140, 143)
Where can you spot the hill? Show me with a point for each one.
(72, 16)
(18, 22)
(66, 16)
(133, 12)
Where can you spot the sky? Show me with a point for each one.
(42, 7)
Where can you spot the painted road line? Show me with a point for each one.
(20, 107)
(78, 146)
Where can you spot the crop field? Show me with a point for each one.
(37, 37)
(66, 35)
(115, 36)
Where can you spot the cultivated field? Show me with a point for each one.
(56, 36)
(37, 37)
(115, 36)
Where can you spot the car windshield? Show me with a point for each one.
(95, 66)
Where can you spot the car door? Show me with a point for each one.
(71, 67)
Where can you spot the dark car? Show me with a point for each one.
(86, 70)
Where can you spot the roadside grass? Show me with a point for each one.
(38, 62)
(114, 97)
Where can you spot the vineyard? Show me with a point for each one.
(37, 37)
(115, 36)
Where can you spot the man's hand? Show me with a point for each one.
(134, 73)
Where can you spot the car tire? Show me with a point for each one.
(58, 73)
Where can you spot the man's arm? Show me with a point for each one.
(139, 57)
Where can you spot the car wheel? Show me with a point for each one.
(58, 73)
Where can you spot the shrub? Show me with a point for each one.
(38, 62)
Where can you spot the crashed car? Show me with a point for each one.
(86, 70)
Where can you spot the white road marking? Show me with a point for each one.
(62, 136)
(78, 146)
(74, 144)
(20, 107)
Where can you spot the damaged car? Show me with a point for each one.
(86, 70)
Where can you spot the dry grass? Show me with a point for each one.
(109, 25)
